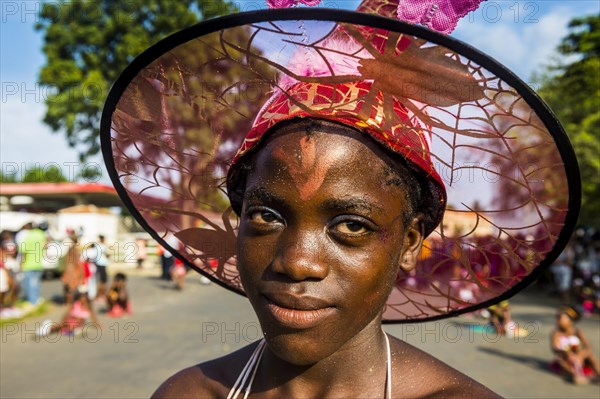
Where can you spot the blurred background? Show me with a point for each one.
(58, 61)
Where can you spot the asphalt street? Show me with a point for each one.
(170, 330)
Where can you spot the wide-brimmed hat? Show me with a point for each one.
(494, 156)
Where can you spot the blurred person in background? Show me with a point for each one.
(117, 298)
(178, 273)
(78, 314)
(32, 250)
(101, 263)
(166, 257)
(7, 242)
(89, 273)
(500, 317)
(10, 264)
(572, 348)
(8, 289)
(7, 283)
(142, 252)
(21, 235)
(74, 273)
(596, 298)
(585, 287)
(562, 272)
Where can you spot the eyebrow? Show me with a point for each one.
(345, 204)
(351, 203)
(261, 194)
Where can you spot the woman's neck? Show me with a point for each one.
(570, 330)
(359, 365)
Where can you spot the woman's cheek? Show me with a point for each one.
(364, 269)
(251, 257)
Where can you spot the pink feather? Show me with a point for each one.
(332, 59)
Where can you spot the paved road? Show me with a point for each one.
(170, 330)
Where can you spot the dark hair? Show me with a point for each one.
(120, 277)
(571, 312)
(77, 295)
(399, 172)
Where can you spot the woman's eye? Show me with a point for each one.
(263, 217)
(351, 228)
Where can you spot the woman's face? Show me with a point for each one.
(564, 321)
(321, 239)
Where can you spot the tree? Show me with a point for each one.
(7, 178)
(36, 174)
(572, 90)
(50, 174)
(88, 43)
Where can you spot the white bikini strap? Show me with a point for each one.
(250, 365)
(254, 372)
(388, 377)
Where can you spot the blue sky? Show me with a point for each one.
(520, 34)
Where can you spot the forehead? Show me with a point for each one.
(324, 163)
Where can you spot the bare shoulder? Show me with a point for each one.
(421, 375)
(212, 379)
(187, 383)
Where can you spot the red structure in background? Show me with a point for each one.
(51, 197)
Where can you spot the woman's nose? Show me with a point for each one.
(301, 255)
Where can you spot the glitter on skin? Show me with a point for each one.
(307, 169)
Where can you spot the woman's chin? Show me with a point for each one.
(307, 346)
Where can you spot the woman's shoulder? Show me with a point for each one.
(212, 379)
(191, 382)
(422, 375)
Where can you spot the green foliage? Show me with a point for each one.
(572, 90)
(37, 311)
(50, 174)
(88, 43)
(90, 174)
(7, 178)
(36, 174)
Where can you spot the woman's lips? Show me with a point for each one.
(303, 318)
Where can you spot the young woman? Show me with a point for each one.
(319, 249)
(313, 195)
(571, 346)
(79, 313)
